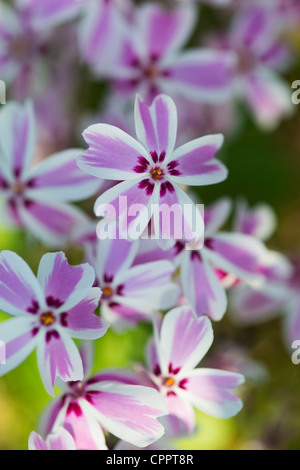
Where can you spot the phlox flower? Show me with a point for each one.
(180, 342)
(89, 407)
(60, 440)
(257, 302)
(152, 60)
(36, 197)
(131, 293)
(49, 310)
(150, 169)
(101, 31)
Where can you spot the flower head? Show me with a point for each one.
(49, 309)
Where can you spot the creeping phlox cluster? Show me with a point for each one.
(178, 284)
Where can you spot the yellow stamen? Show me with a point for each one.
(47, 318)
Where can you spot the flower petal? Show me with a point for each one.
(81, 322)
(156, 126)
(58, 178)
(62, 283)
(129, 412)
(201, 75)
(19, 338)
(58, 357)
(17, 138)
(51, 222)
(165, 31)
(202, 288)
(196, 163)
(211, 391)
(236, 253)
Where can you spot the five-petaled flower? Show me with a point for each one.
(49, 309)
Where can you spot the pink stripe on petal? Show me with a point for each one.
(202, 74)
(235, 253)
(196, 163)
(19, 338)
(165, 30)
(81, 322)
(86, 431)
(129, 412)
(184, 339)
(59, 178)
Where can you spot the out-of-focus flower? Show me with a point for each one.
(131, 293)
(152, 62)
(48, 310)
(261, 53)
(93, 405)
(257, 302)
(24, 37)
(36, 198)
(179, 344)
(150, 168)
(60, 440)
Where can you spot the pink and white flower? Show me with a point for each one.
(24, 36)
(92, 406)
(150, 169)
(131, 294)
(179, 344)
(37, 198)
(49, 310)
(60, 440)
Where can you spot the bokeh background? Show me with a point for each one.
(263, 167)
